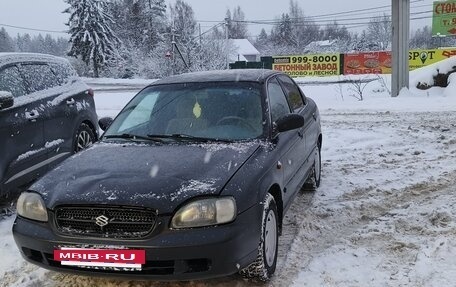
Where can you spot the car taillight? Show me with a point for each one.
(90, 92)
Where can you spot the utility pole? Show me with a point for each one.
(401, 30)
(227, 43)
(173, 43)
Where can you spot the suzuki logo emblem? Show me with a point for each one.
(101, 221)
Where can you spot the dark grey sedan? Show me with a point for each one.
(190, 181)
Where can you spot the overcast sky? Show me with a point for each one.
(47, 14)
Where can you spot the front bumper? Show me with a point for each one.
(190, 254)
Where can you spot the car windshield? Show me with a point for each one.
(204, 111)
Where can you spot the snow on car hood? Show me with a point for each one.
(154, 176)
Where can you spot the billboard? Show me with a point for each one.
(444, 18)
(380, 62)
(367, 63)
(312, 65)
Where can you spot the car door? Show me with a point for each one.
(57, 128)
(287, 144)
(298, 105)
(21, 132)
(68, 106)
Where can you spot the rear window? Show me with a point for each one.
(63, 72)
(11, 81)
(39, 77)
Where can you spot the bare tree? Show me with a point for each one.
(380, 32)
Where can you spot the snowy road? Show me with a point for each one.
(384, 215)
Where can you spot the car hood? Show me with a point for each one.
(153, 176)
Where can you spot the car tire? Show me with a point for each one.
(264, 265)
(313, 182)
(83, 138)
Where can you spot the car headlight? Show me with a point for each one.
(30, 205)
(205, 212)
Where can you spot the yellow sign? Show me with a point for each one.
(319, 65)
(422, 58)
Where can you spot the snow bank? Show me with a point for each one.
(426, 74)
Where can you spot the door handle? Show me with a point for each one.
(300, 134)
(70, 102)
(314, 116)
(32, 116)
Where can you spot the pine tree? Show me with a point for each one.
(91, 35)
(262, 39)
(237, 28)
(6, 43)
(38, 44)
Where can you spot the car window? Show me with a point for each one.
(39, 77)
(292, 92)
(277, 100)
(229, 111)
(11, 81)
(63, 72)
(140, 114)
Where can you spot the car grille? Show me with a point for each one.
(112, 222)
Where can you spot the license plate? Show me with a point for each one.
(115, 259)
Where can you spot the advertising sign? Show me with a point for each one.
(444, 18)
(317, 65)
(367, 63)
(380, 62)
(422, 58)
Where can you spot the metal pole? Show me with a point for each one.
(401, 30)
(227, 44)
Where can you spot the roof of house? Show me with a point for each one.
(242, 48)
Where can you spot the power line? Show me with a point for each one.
(33, 29)
(310, 21)
(348, 13)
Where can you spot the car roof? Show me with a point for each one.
(241, 75)
(10, 58)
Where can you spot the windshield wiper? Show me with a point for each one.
(189, 137)
(132, 137)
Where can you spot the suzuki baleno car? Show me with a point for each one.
(190, 181)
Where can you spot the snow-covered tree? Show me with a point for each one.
(6, 43)
(380, 32)
(140, 24)
(262, 40)
(92, 37)
(184, 23)
(294, 31)
(304, 29)
(237, 28)
(334, 31)
(282, 33)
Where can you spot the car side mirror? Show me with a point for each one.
(6, 100)
(104, 123)
(289, 122)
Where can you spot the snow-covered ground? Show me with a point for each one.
(383, 216)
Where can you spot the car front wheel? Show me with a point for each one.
(83, 138)
(264, 266)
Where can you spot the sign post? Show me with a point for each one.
(444, 18)
(401, 30)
